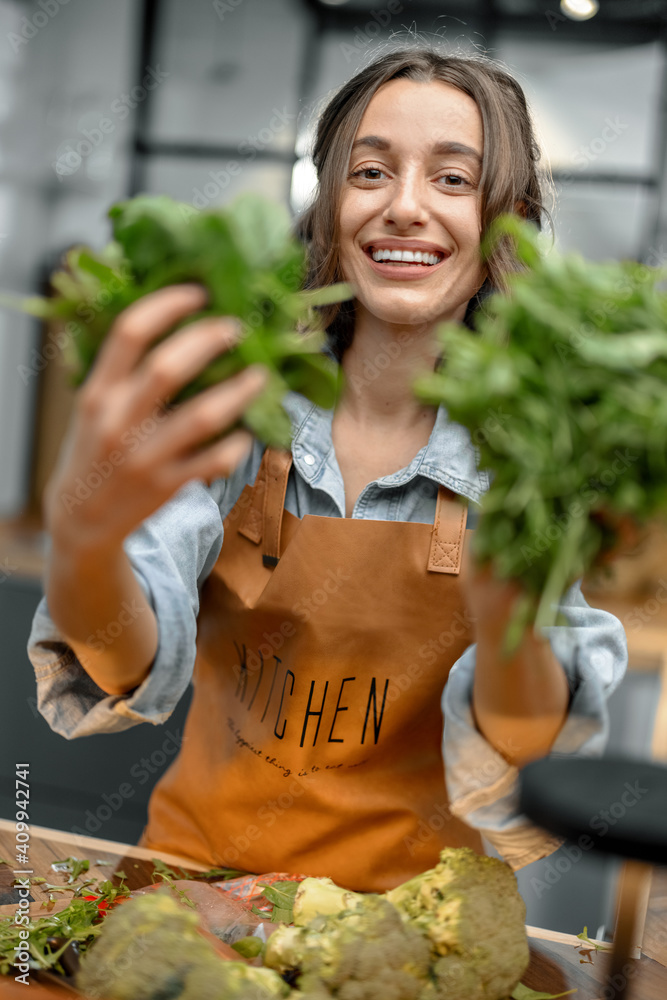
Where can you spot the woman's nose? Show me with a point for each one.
(407, 203)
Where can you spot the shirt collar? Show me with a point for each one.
(450, 457)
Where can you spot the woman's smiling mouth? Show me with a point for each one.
(412, 259)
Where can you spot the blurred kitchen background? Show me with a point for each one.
(200, 99)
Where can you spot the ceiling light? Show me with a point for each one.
(580, 10)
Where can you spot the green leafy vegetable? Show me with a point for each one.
(224, 874)
(563, 388)
(163, 869)
(72, 865)
(281, 894)
(181, 893)
(78, 921)
(252, 268)
(594, 944)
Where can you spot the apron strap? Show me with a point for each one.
(263, 515)
(262, 519)
(449, 529)
(277, 472)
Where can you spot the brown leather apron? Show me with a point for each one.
(314, 739)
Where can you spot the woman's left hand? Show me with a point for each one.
(520, 701)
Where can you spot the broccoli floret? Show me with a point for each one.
(365, 953)
(150, 949)
(470, 910)
(234, 981)
(467, 908)
(316, 897)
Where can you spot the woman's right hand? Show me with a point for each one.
(126, 451)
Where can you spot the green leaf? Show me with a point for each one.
(260, 228)
(75, 866)
(522, 992)
(314, 374)
(163, 869)
(222, 873)
(281, 894)
(625, 350)
(594, 944)
(33, 305)
(150, 230)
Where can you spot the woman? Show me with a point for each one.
(328, 647)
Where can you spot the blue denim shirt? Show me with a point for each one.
(174, 550)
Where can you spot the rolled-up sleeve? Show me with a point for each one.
(171, 553)
(483, 787)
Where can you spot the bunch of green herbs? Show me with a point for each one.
(563, 387)
(252, 268)
(50, 935)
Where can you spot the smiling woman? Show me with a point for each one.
(402, 185)
(476, 129)
(321, 594)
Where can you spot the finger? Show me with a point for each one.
(138, 326)
(218, 461)
(198, 420)
(173, 364)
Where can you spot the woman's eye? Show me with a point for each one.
(367, 170)
(454, 180)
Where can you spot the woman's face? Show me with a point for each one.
(413, 185)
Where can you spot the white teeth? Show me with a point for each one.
(409, 256)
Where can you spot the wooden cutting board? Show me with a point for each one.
(559, 962)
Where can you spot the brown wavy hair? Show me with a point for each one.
(510, 180)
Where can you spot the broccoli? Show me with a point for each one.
(470, 910)
(365, 953)
(233, 981)
(150, 949)
(316, 897)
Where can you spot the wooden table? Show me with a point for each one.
(558, 961)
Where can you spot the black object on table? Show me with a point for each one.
(620, 804)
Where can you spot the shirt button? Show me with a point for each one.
(309, 459)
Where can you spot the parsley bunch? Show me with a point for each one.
(563, 386)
